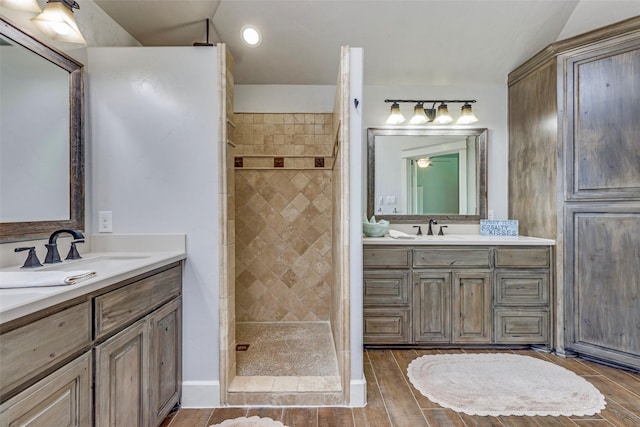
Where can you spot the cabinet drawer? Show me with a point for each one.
(523, 258)
(386, 326)
(523, 326)
(386, 257)
(440, 257)
(30, 350)
(388, 287)
(121, 307)
(62, 398)
(522, 288)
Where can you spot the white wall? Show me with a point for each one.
(358, 394)
(591, 14)
(283, 99)
(153, 117)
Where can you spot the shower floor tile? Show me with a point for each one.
(286, 349)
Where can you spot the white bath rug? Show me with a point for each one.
(503, 384)
(254, 421)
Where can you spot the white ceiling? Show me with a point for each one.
(411, 42)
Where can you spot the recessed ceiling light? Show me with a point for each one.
(251, 36)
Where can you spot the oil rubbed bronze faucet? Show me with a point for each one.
(53, 256)
(430, 231)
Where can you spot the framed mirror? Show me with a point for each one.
(41, 137)
(414, 174)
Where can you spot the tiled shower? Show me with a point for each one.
(283, 195)
(284, 252)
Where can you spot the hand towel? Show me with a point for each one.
(400, 235)
(34, 279)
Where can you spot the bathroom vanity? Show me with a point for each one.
(105, 351)
(457, 291)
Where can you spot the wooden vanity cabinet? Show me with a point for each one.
(480, 295)
(123, 344)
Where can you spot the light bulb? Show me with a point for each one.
(396, 116)
(466, 115)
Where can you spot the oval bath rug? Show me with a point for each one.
(254, 421)
(503, 384)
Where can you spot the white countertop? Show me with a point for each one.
(111, 266)
(461, 240)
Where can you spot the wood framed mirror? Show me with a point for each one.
(42, 141)
(418, 173)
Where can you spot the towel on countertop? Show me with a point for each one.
(33, 279)
(400, 235)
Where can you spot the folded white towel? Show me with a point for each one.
(34, 279)
(400, 235)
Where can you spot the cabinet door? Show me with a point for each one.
(472, 306)
(62, 398)
(432, 307)
(602, 282)
(165, 364)
(120, 383)
(602, 125)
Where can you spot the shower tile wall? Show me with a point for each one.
(283, 218)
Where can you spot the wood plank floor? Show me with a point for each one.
(393, 402)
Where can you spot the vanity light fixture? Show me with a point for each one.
(442, 116)
(423, 115)
(395, 117)
(419, 116)
(22, 5)
(466, 115)
(251, 36)
(57, 21)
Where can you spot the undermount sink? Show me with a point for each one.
(102, 263)
(443, 238)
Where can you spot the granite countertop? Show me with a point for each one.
(112, 264)
(460, 240)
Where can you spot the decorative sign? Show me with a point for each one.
(490, 227)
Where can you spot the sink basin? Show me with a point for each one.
(104, 263)
(442, 238)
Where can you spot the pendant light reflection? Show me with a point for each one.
(424, 162)
(57, 21)
(396, 117)
(22, 5)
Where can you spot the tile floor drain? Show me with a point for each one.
(242, 347)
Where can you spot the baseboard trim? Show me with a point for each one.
(358, 393)
(200, 394)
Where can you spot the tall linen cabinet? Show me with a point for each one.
(574, 176)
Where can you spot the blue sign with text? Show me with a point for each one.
(490, 227)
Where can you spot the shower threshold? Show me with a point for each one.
(285, 357)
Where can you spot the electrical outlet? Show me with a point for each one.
(105, 222)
